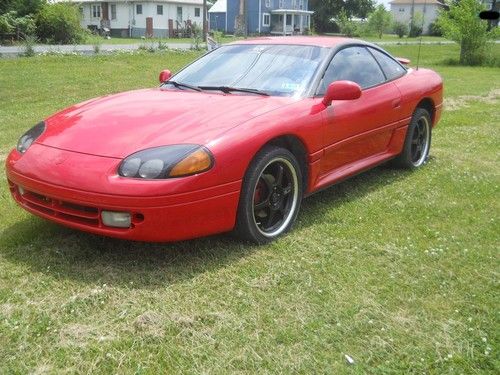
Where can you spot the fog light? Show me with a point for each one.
(116, 219)
(21, 190)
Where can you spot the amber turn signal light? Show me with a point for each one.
(196, 162)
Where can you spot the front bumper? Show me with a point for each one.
(155, 218)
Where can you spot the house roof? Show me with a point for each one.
(409, 2)
(219, 7)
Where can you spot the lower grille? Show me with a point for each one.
(85, 215)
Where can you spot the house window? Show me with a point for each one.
(96, 11)
(179, 14)
(196, 12)
(294, 4)
(113, 11)
(138, 9)
(159, 10)
(266, 19)
(401, 9)
(301, 4)
(268, 3)
(289, 19)
(281, 3)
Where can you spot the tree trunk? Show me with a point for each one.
(240, 26)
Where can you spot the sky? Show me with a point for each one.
(385, 2)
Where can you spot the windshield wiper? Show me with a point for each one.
(180, 84)
(227, 90)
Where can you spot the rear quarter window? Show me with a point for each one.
(392, 69)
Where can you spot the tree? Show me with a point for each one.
(380, 20)
(21, 7)
(325, 10)
(240, 21)
(59, 23)
(463, 25)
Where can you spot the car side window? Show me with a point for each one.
(391, 68)
(353, 64)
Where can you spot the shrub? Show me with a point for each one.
(10, 23)
(59, 23)
(29, 42)
(416, 25)
(400, 29)
(346, 25)
(6, 26)
(462, 25)
(435, 30)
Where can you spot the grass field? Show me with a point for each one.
(398, 270)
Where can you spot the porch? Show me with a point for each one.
(290, 21)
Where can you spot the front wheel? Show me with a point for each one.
(418, 141)
(270, 196)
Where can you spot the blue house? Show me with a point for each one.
(278, 17)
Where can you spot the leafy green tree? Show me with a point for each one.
(380, 20)
(21, 7)
(325, 10)
(463, 25)
(59, 23)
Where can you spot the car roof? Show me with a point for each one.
(319, 41)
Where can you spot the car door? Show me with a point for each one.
(358, 129)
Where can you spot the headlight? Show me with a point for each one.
(29, 137)
(167, 161)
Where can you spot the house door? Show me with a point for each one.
(149, 27)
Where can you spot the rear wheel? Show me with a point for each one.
(418, 141)
(270, 197)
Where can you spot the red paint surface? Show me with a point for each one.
(75, 161)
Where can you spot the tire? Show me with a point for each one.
(417, 142)
(270, 197)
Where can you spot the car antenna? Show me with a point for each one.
(421, 33)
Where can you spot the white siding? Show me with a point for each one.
(402, 13)
(126, 14)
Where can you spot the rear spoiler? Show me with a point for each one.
(403, 61)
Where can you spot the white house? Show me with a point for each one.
(158, 18)
(403, 11)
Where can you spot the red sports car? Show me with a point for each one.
(233, 141)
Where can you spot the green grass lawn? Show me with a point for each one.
(398, 270)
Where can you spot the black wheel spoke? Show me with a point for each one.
(279, 176)
(287, 189)
(271, 217)
(261, 206)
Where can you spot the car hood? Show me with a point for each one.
(119, 125)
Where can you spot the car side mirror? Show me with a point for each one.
(341, 90)
(165, 75)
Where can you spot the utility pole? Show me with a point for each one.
(204, 28)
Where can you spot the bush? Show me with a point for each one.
(435, 30)
(29, 42)
(462, 25)
(10, 23)
(400, 29)
(59, 23)
(346, 25)
(416, 25)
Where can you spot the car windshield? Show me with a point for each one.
(280, 70)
